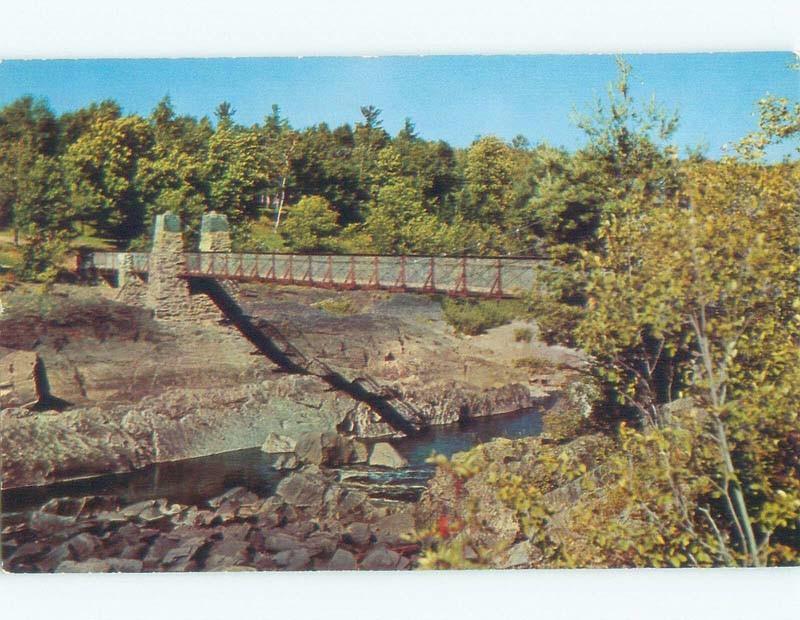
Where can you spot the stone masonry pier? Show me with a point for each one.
(159, 283)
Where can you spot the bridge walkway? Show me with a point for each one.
(475, 276)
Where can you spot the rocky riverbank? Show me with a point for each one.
(326, 517)
(310, 523)
(123, 390)
(508, 503)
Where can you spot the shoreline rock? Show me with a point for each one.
(275, 443)
(475, 504)
(311, 523)
(384, 455)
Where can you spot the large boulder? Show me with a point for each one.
(275, 443)
(304, 489)
(396, 528)
(295, 559)
(18, 379)
(384, 455)
(181, 558)
(236, 495)
(521, 555)
(321, 543)
(227, 554)
(329, 449)
(356, 452)
(316, 448)
(381, 558)
(342, 560)
(282, 461)
(358, 533)
(278, 540)
(83, 546)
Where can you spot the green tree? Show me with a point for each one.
(43, 215)
(174, 177)
(488, 178)
(697, 298)
(779, 121)
(394, 219)
(626, 168)
(235, 173)
(102, 168)
(401, 220)
(627, 164)
(369, 138)
(225, 113)
(311, 225)
(430, 166)
(323, 165)
(32, 122)
(567, 202)
(76, 123)
(712, 314)
(27, 129)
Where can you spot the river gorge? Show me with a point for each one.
(144, 453)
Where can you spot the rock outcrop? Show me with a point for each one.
(18, 379)
(482, 519)
(325, 449)
(276, 444)
(329, 449)
(143, 390)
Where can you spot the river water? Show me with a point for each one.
(193, 481)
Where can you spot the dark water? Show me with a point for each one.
(186, 482)
(454, 438)
(194, 480)
(447, 440)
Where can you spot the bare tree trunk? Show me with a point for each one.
(738, 505)
(281, 200)
(738, 500)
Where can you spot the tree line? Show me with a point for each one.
(353, 188)
(350, 188)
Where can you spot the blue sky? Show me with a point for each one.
(454, 98)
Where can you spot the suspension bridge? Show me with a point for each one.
(465, 276)
(193, 287)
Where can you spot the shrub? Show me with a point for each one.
(41, 256)
(311, 225)
(532, 364)
(564, 424)
(523, 334)
(475, 317)
(337, 305)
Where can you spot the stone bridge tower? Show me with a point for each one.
(215, 233)
(167, 291)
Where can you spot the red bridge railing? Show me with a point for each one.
(458, 276)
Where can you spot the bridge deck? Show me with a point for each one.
(465, 276)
